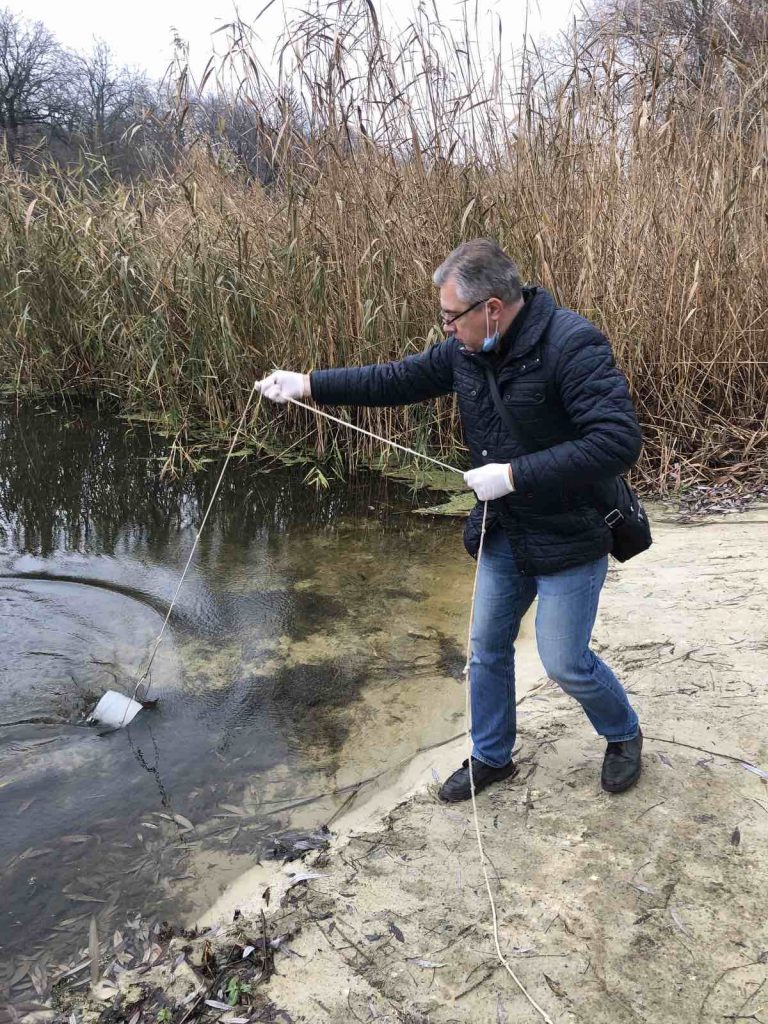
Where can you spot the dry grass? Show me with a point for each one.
(641, 202)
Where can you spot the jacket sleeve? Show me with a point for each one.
(596, 398)
(413, 379)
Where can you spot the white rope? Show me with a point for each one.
(145, 673)
(544, 1015)
(383, 440)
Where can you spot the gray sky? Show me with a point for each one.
(140, 31)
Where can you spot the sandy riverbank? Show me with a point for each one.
(649, 907)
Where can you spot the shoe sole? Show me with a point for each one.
(462, 799)
(623, 788)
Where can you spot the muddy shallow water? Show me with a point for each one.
(317, 640)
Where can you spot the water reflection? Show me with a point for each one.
(316, 635)
(77, 481)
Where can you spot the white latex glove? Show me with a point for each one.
(283, 385)
(491, 481)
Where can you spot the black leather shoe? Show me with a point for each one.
(457, 786)
(621, 765)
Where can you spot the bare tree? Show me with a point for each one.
(261, 136)
(104, 95)
(695, 36)
(31, 67)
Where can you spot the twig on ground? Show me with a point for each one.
(703, 750)
(480, 981)
(719, 978)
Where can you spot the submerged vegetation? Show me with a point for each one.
(627, 174)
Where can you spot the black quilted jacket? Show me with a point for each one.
(572, 407)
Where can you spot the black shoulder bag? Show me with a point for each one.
(622, 511)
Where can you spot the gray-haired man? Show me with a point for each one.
(575, 431)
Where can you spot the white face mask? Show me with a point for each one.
(491, 340)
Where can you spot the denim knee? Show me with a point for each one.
(562, 664)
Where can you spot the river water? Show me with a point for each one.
(317, 641)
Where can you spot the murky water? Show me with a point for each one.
(316, 641)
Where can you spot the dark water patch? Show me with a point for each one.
(452, 658)
(311, 700)
(313, 694)
(402, 592)
(310, 613)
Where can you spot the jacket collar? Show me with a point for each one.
(542, 308)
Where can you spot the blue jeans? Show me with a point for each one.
(564, 619)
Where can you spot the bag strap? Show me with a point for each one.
(503, 411)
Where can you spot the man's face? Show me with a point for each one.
(469, 325)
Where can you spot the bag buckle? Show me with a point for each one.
(614, 518)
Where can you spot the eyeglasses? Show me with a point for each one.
(450, 318)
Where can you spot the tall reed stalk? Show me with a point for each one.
(639, 200)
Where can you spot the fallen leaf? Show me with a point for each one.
(239, 811)
(735, 837)
(678, 921)
(426, 964)
(72, 970)
(185, 822)
(93, 950)
(21, 972)
(303, 876)
(555, 987)
(29, 854)
(394, 930)
(39, 977)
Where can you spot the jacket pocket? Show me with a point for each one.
(525, 393)
(526, 402)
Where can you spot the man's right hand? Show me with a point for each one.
(283, 385)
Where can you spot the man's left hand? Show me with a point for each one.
(491, 481)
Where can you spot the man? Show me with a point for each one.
(542, 470)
